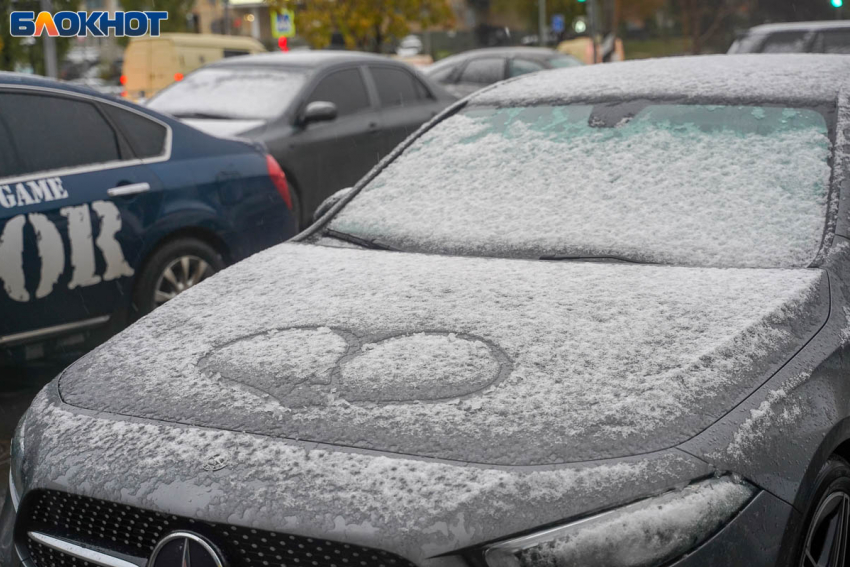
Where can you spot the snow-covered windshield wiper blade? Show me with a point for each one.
(203, 115)
(365, 243)
(612, 258)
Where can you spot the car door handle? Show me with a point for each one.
(129, 189)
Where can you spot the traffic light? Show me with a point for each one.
(583, 1)
(835, 3)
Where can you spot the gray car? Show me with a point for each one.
(466, 72)
(795, 37)
(586, 317)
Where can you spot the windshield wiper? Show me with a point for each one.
(203, 115)
(614, 258)
(365, 243)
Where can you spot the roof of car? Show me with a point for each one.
(30, 80)
(512, 50)
(497, 51)
(775, 78)
(303, 58)
(799, 26)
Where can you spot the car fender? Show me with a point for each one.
(781, 434)
(194, 219)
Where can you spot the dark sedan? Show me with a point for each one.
(644, 365)
(465, 73)
(327, 117)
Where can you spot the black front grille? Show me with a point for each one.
(42, 555)
(135, 532)
(112, 526)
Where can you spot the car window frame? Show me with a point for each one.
(96, 102)
(451, 78)
(413, 78)
(466, 63)
(15, 154)
(542, 62)
(310, 87)
(421, 81)
(123, 132)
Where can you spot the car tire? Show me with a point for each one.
(829, 508)
(165, 273)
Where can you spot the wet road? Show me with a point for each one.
(17, 389)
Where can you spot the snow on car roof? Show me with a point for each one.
(760, 77)
(303, 58)
(799, 26)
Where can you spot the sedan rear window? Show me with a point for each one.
(836, 41)
(667, 183)
(785, 42)
(231, 93)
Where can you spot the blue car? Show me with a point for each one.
(108, 210)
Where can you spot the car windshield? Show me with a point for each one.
(560, 61)
(231, 93)
(666, 183)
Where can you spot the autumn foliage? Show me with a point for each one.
(367, 25)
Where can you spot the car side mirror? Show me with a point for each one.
(328, 203)
(318, 111)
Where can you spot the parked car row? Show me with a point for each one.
(109, 210)
(555, 326)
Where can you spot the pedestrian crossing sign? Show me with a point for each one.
(283, 23)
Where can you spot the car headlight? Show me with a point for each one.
(16, 472)
(644, 534)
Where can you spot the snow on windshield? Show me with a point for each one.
(682, 184)
(243, 93)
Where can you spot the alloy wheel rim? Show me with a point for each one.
(178, 276)
(826, 540)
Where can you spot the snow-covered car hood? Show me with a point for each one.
(490, 361)
(417, 508)
(223, 128)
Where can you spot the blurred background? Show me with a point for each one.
(420, 31)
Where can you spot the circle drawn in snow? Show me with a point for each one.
(315, 365)
(280, 361)
(419, 367)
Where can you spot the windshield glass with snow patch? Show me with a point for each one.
(681, 184)
(231, 93)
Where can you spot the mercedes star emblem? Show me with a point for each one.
(185, 549)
